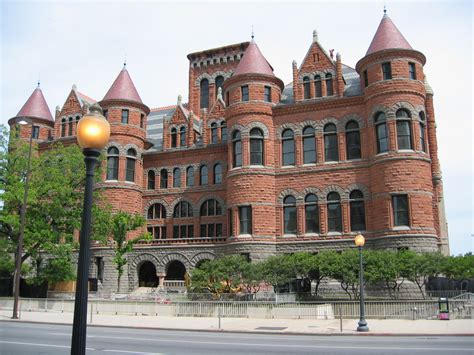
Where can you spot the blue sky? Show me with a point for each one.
(85, 43)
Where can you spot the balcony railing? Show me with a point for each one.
(196, 240)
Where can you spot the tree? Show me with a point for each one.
(345, 269)
(459, 267)
(252, 276)
(277, 271)
(420, 267)
(387, 267)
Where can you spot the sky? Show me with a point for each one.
(86, 42)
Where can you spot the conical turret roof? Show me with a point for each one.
(387, 37)
(36, 106)
(253, 62)
(123, 88)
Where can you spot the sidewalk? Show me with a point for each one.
(288, 326)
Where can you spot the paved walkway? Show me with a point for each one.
(297, 326)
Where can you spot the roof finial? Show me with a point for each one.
(384, 9)
(315, 36)
(39, 80)
(252, 34)
(125, 61)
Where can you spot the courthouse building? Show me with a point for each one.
(250, 165)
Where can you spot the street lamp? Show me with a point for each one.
(93, 132)
(19, 249)
(362, 325)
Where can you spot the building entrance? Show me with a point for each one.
(175, 271)
(147, 275)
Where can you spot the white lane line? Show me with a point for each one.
(37, 344)
(129, 352)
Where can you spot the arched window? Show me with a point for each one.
(219, 83)
(331, 151)
(63, 127)
(256, 146)
(204, 99)
(217, 173)
(182, 210)
(203, 175)
(309, 145)
(237, 149)
(163, 179)
(151, 180)
(317, 86)
(182, 137)
(381, 132)
(334, 212)
(176, 177)
(156, 211)
(112, 163)
(288, 147)
(311, 212)
(214, 132)
(211, 207)
(352, 140)
(223, 132)
(69, 131)
(289, 215)
(329, 86)
(190, 176)
(174, 138)
(306, 89)
(403, 129)
(77, 121)
(357, 211)
(130, 169)
(422, 131)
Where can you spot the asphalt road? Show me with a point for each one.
(30, 338)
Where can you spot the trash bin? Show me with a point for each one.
(443, 307)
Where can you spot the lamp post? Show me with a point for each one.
(362, 325)
(93, 132)
(19, 249)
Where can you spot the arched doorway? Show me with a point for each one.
(175, 271)
(147, 275)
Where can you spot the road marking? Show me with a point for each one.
(130, 352)
(37, 344)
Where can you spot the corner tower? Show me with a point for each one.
(250, 95)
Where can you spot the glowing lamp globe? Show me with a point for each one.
(359, 240)
(93, 130)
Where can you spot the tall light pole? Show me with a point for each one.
(19, 249)
(362, 325)
(93, 132)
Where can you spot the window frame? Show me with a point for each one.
(176, 177)
(257, 141)
(357, 147)
(311, 138)
(114, 158)
(397, 219)
(306, 88)
(244, 91)
(125, 116)
(334, 215)
(203, 168)
(288, 158)
(381, 123)
(204, 93)
(329, 85)
(308, 218)
(357, 203)
(267, 93)
(130, 167)
(236, 149)
(387, 71)
(151, 179)
(289, 209)
(245, 219)
(331, 143)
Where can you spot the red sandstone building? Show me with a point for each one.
(252, 166)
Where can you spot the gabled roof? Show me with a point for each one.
(387, 37)
(253, 62)
(123, 88)
(36, 106)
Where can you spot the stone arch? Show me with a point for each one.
(294, 127)
(168, 258)
(236, 127)
(226, 75)
(376, 109)
(213, 120)
(334, 188)
(125, 148)
(287, 192)
(348, 118)
(113, 144)
(203, 76)
(170, 210)
(329, 71)
(209, 197)
(315, 124)
(152, 202)
(134, 267)
(402, 105)
(330, 120)
(357, 186)
(223, 164)
(302, 75)
(257, 124)
(418, 110)
(312, 190)
(202, 256)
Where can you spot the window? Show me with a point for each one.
(357, 211)
(311, 212)
(231, 222)
(112, 163)
(381, 132)
(182, 137)
(403, 129)
(400, 210)
(183, 231)
(203, 175)
(151, 180)
(211, 207)
(289, 215)
(176, 177)
(163, 179)
(156, 211)
(69, 131)
(63, 127)
(288, 147)
(223, 132)
(329, 85)
(204, 88)
(412, 70)
(237, 149)
(334, 212)
(213, 230)
(106, 114)
(309, 145)
(331, 151)
(386, 71)
(245, 220)
(130, 168)
(245, 93)
(218, 174)
(268, 94)
(183, 210)
(306, 88)
(124, 116)
(214, 132)
(158, 232)
(256, 146)
(317, 86)
(77, 121)
(35, 132)
(174, 137)
(190, 176)
(142, 120)
(219, 83)
(422, 131)
(352, 140)
(366, 78)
